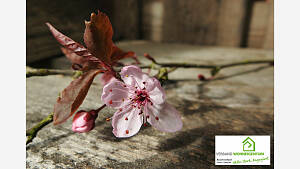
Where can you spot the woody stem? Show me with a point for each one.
(44, 72)
(31, 133)
(100, 108)
(203, 66)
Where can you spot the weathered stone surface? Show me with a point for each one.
(239, 101)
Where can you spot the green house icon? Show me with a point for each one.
(248, 144)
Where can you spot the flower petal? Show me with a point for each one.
(115, 94)
(127, 122)
(164, 117)
(151, 83)
(85, 128)
(156, 92)
(133, 75)
(106, 78)
(79, 118)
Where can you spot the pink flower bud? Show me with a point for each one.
(201, 77)
(84, 121)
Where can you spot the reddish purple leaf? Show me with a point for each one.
(68, 42)
(118, 54)
(73, 96)
(98, 36)
(85, 62)
(73, 57)
(149, 57)
(77, 48)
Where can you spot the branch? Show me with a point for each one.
(44, 72)
(271, 62)
(162, 75)
(214, 68)
(31, 133)
(191, 65)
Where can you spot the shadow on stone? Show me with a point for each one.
(107, 134)
(201, 153)
(194, 148)
(187, 107)
(47, 143)
(181, 140)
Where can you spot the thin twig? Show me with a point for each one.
(31, 133)
(172, 69)
(45, 72)
(191, 65)
(247, 63)
(214, 68)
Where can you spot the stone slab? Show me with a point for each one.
(239, 101)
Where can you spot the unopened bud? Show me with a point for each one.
(84, 121)
(201, 77)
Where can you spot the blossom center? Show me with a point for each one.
(142, 97)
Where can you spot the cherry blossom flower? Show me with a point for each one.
(139, 99)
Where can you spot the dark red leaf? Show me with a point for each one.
(149, 57)
(73, 57)
(118, 54)
(72, 96)
(75, 47)
(76, 67)
(68, 42)
(98, 36)
(85, 62)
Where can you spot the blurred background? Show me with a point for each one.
(226, 23)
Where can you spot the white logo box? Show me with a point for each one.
(242, 150)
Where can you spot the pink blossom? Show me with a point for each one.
(84, 121)
(139, 99)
